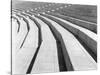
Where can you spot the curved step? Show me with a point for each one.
(64, 61)
(46, 60)
(75, 50)
(88, 37)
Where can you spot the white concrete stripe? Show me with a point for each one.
(79, 57)
(82, 20)
(47, 58)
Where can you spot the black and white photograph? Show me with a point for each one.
(49, 37)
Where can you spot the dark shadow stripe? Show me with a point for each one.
(37, 50)
(63, 58)
(28, 27)
(24, 40)
(76, 32)
(17, 22)
(26, 21)
(87, 48)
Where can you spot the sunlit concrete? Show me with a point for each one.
(75, 50)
